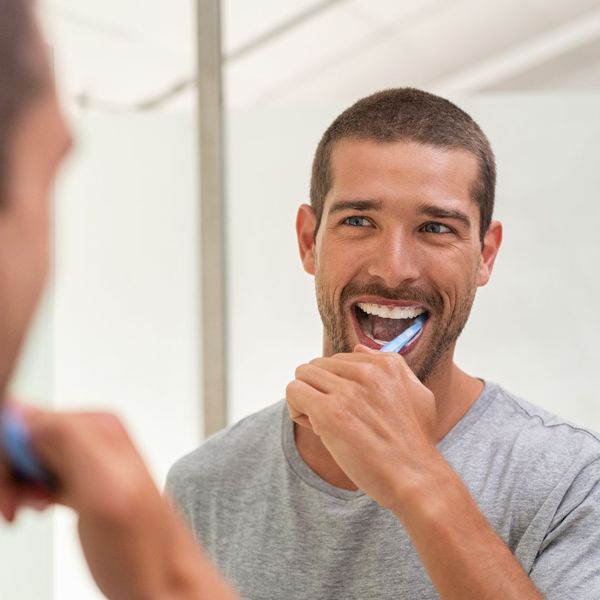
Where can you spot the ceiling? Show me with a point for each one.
(133, 54)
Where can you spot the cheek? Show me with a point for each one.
(336, 267)
(32, 224)
(346, 253)
(454, 280)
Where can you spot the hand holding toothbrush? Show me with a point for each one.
(134, 543)
(376, 419)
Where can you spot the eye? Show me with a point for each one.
(357, 222)
(436, 228)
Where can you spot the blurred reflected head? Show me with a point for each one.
(408, 114)
(23, 74)
(34, 138)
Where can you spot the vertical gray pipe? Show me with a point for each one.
(212, 243)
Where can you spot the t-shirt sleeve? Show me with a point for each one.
(568, 562)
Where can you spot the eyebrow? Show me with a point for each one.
(429, 210)
(437, 212)
(359, 205)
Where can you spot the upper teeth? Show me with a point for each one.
(391, 312)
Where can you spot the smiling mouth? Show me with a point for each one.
(382, 323)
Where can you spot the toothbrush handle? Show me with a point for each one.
(405, 337)
(15, 442)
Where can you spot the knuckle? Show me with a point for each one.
(56, 430)
(111, 424)
(391, 362)
(292, 387)
(300, 370)
(389, 357)
(368, 371)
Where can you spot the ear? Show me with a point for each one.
(306, 224)
(491, 244)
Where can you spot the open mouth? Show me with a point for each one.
(381, 323)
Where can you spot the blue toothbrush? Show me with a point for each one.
(406, 336)
(15, 442)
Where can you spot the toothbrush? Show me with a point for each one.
(15, 442)
(406, 336)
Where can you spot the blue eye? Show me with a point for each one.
(436, 228)
(357, 222)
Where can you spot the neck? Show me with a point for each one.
(455, 392)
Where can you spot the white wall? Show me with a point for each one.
(126, 305)
(534, 329)
(26, 545)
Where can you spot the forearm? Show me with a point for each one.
(461, 552)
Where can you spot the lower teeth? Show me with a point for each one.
(366, 328)
(380, 342)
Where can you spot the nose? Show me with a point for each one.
(394, 260)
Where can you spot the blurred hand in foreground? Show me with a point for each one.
(135, 544)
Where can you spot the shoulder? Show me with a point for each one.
(239, 448)
(544, 427)
(537, 443)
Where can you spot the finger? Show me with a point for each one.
(321, 378)
(8, 504)
(25, 410)
(367, 355)
(55, 438)
(356, 357)
(302, 402)
(303, 421)
(76, 448)
(14, 496)
(34, 497)
(361, 368)
(100, 421)
(340, 366)
(63, 438)
(6, 476)
(7, 492)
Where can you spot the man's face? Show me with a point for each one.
(40, 141)
(399, 236)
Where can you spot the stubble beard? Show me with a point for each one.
(446, 331)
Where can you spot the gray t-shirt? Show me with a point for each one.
(279, 532)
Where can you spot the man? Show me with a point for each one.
(398, 476)
(135, 545)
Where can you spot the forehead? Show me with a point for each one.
(401, 170)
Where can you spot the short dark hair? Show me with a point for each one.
(22, 73)
(408, 114)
